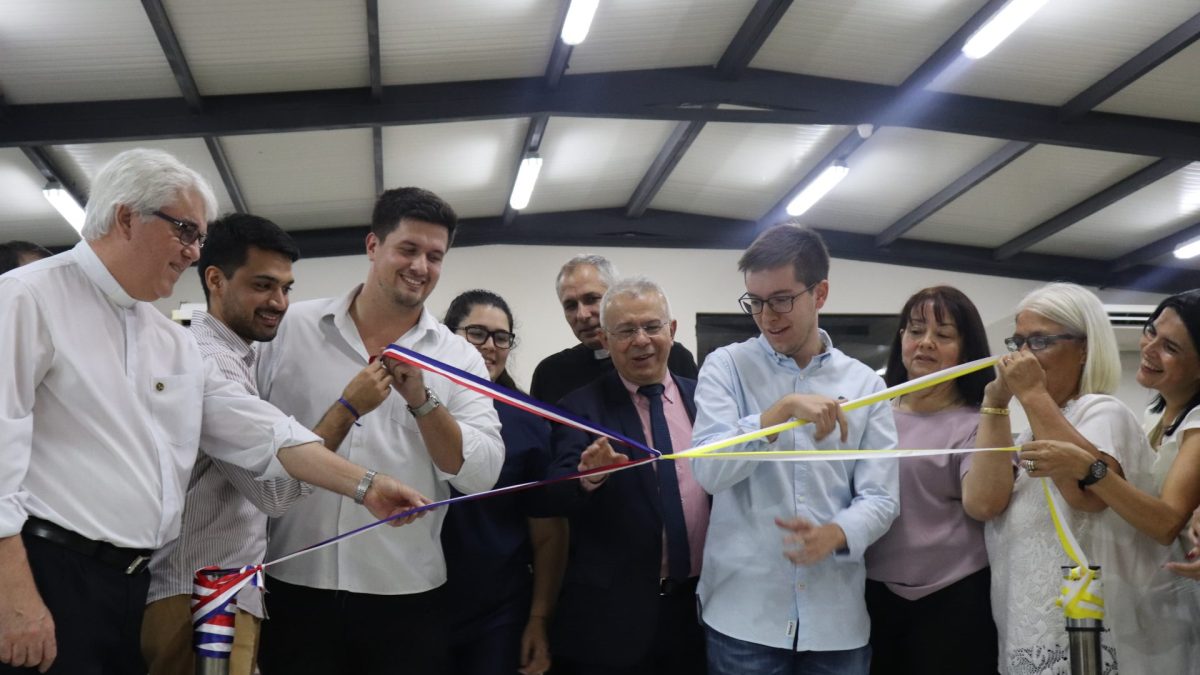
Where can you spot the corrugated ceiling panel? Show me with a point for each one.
(594, 163)
(82, 162)
(1171, 90)
(469, 164)
(741, 170)
(80, 50)
(881, 41)
(26, 214)
(893, 173)
(307, 180)
(423, 41)
(1155, 211)
(1036, 186)
(238, 47)
(641, 34)
(1068, 46)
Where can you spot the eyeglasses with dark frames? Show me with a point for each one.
(186, 232)
(1036, 343)
(478, 335)
(780, 304)
(628, 333)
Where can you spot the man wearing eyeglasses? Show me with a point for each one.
(581, 283)
(783, 581)
(103, 404)
(636, 535)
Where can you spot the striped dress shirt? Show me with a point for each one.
(226, 508)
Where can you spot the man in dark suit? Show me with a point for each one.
(637, 536)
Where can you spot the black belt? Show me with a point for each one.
(128, 560)
(668, 587)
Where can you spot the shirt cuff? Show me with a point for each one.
(856, 544)
(12, 514)
(286, 433)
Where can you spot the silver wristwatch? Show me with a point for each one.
(431, 403)
(360, 493)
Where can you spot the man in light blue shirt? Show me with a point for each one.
(782, 587)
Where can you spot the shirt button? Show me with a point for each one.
(159, 386)
(800, 587)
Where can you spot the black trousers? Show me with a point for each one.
(677, 648)
(950, 631)
(97, 611)
(312, 630)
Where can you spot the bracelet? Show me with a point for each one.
(1003, 412)
(360, 493)
(344, 402)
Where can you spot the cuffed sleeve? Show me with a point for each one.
(717, 418)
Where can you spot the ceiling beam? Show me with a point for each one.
(530, 146)
(677, 94)
(161, 23)
(1125, 74)
(560, 55)
(670, 229)
(40, 158)
(845, 147)
(374, 59)
(217, 151)
(377, 155)
(754, 31)
(977, 174)
(1156, 249)
(676, 145)
(1102, 199)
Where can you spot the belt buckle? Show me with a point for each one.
(139, 563)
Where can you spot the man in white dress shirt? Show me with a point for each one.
(103, 404)
(376, 604)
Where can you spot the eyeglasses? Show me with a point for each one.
(780, 304)
(1036, 343)
(630, 332)
(186, 232)
(478, 335)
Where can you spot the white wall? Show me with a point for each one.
(696, 280)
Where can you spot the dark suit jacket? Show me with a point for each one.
(611, 584)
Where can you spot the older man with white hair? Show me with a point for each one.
(103, 405)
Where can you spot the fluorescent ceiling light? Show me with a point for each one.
(578, 21)
(999, 27)
(814, 191)
(527, 177)
(66, 205)
(1189, 250)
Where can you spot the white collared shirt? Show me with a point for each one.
(103, 404)
(303, 370)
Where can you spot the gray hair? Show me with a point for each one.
(632, 287)
(604, 267)
(1080, 311)
(143, 180)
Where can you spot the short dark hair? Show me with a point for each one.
(462, 305)
(788, 244)
(1187, 306)
(230, 238)
(415, 203)
(11, 252)
(947, 301)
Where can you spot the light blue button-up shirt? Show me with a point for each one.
(748, 589)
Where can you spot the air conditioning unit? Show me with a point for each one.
(1127, 322)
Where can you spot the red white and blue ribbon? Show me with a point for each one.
(214, 604)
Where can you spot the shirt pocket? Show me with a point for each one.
(177, 407)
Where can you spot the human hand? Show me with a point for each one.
(407, 379)
(387, 497)
(369, 388)
(26, 629)
(598, 454)
(1023, 374)
(824, 413)
(1058, 460)
(808, 543)
(535, 647)
(996, 393)
(1190, 570)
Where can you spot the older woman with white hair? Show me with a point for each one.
(1062, 367)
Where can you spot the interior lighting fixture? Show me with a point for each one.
(527, 176)
(65, 204)
(578, 21)
(814, 191)
(1187, 250)
(999, 27)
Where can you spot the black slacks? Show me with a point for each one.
(312, 630)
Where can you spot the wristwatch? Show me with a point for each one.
(1096, 471)
(431, 403)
